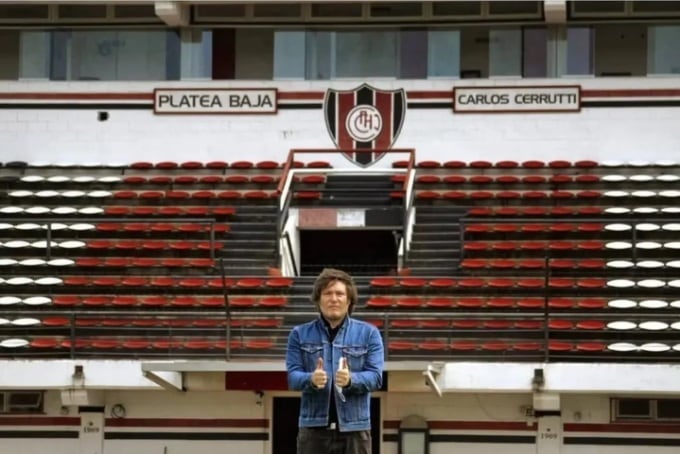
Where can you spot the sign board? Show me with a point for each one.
(490, 99)
(210, 101)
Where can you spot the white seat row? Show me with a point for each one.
(638, 163)
(645, 304)
(650, 325)
(67, 164)
(640, 178)
(47, 280)
(63, 210)
(78, 227)
(622, 264)
(650, 347)
(671, 193)
(8, 300)
(644, 283)
(76, 179)
(24, 321)
(43, 244)
(620, 245)
(643, 210)
(643, 227)
(13, 343)
(36, 262)
(99, 194)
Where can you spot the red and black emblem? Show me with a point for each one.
(364, 119)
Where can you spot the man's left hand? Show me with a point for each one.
(343, 377)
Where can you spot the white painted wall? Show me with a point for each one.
(130, 135)
(477, 410)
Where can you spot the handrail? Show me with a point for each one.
(286, 236)
(285, 182)
(227, 309)
(408, 207)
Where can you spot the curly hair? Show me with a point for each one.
(329, 276)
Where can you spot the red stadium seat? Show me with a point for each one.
(433, 345)
(273, 301)
(379, 302)
(440, 302)
(318, 165)
(507, 164)
(454, 164)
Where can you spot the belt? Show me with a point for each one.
(331, 426)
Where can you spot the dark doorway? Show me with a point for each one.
(285, 425)
(367, 252)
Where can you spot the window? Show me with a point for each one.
(505, 52)
(341, 54)
(443, 53)
(114, 55)
(579, 51)
(663, 54)
(21, 402)
(411, 53)
(289, 60)
(631, 409)
(370, 53)
(535, 53)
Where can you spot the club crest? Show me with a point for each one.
(364, 119)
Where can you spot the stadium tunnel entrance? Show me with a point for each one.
(365, 252)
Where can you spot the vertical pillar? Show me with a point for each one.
(91, 432)
(549, 435)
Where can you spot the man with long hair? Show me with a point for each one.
(336, 362)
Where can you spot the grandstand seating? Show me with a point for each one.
(520, 260)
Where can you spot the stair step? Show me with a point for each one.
(444, 237)
(442, 254)
(247, 253)
(437, 218)
(434, 243)
(248, 244)
(416, 264)
(245, 234)
(359, 181)
(230, 262)
(433, 271)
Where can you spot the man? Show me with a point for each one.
(336, 361)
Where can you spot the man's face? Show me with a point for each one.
(334, 303)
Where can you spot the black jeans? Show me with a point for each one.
(322, 441)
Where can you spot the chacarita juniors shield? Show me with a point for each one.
(364, 120)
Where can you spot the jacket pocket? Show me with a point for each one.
(356, 356)
(310, 355)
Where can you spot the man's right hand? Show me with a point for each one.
(319, 377)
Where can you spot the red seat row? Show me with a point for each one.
(151, 344)
(144, 262)
(414, 302)
(142, 210)
(197, 195)
(162, 227)
(201, 179)
(504, 164)
(491, 346)
(482, 282)
(274, 301)
(185, 282)
(219, 165)
(158, 322)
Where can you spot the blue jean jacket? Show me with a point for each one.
(362, 345)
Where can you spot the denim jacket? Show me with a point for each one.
(362, 345)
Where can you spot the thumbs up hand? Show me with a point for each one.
(343, 376)
(319, 377)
